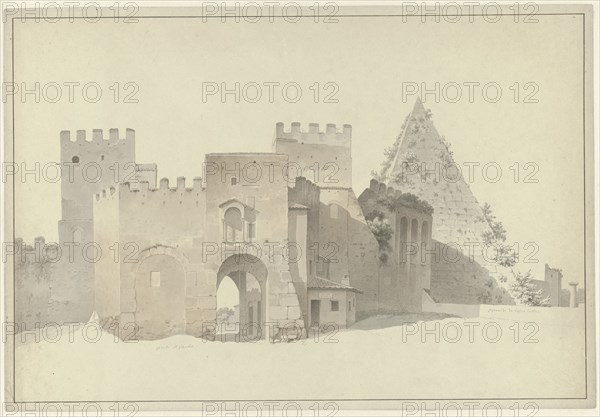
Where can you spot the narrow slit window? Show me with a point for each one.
(155, 279)
(252, 231)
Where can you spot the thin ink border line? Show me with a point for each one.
(321, 400)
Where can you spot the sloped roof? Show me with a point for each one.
(297, 206)
(319, 283)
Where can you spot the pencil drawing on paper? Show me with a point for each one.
(210, 212)
(285, 229)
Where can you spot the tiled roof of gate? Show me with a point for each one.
(297, 206)
(326, 284)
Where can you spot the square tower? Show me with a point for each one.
(90, 166)
(323, 158)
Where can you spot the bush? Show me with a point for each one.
(525, 291)
(382, 230)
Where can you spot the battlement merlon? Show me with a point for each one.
(331, 136)
(104, 194)
(381, 189)
(96, 137)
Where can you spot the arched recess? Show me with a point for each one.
(414, 238)
(403, 239)
(77, 235)
(424, 239)
(159, 292)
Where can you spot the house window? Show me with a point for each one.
(335, 305)
(310, 267)
(233, 225)
(349, 305)
(233, 181)
(102, 157)
(155, 279)
(251, 231)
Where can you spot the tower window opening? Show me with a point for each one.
(75, 159)
(251, 231)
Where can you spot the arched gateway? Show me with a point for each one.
(252, 306)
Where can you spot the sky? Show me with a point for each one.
(368, 61)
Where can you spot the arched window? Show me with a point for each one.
(414, 233)
(77, 235)
(333, 211)
(233, 225)
(403, 236)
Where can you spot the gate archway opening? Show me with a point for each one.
(241, 298)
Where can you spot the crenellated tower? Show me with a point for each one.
(324, 158)
(90, 165)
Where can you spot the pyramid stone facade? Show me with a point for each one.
(420, 162)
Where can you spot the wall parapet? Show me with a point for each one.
(392, 198)
(141, 190)
(331, 135)
(97, 136)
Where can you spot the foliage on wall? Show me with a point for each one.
(505, 255)
(395, 202)
(382, 230)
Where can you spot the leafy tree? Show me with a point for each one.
(496, 237)
(374, 214)
(225, 311)
(498, 233)
(382, 230)
(526, 292)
